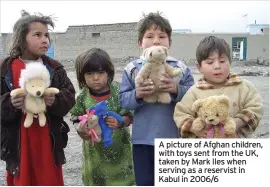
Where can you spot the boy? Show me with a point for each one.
(151, 121)
(214, 60)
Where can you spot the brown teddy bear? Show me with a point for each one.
(213, 113)
(155, 68)
(34, 82)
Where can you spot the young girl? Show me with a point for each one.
(103, 166)
(34, 155)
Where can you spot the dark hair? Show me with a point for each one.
(93, 60)
(156, 21)
(21, 29)
(211, 44)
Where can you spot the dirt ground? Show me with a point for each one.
(72, 170)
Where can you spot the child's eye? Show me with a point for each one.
(101, 72)
(222, 61)
(149, 36)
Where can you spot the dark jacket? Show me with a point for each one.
(11, 117)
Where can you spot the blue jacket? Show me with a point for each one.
(152, 121)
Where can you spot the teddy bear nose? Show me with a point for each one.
(211, 120)
(38, 93)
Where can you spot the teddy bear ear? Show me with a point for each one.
(165, 50)
(145, 52)
(196, 105)
(224, 99)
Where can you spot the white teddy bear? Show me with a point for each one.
(34, 81)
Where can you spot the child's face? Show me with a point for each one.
(153, 37)
(37, 41)
(215, 68)
(97, 81)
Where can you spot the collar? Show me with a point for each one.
(233, 79)
(29, 61)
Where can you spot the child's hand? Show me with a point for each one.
(168, 85)
(112, 122)
(145, 89)
(49, 98)
(18, 101)
(239, 123)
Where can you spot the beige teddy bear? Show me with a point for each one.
(89, 125)
(34, 82)
(155, 68)
(213, 113)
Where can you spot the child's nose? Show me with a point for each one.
(217, 65)
(156, 41)
(96, 76)
(45, 39)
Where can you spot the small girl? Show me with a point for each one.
(103, 166)
(34, 156)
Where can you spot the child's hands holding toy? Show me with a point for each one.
(168, 85)
(145, 89)
(112, 122)
(49, 98)
(18, 101)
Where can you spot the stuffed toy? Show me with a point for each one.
(213, 112)
(89, 124)
(34, 82)
(101, 111)
(154, 68)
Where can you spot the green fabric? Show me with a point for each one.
(106, 166)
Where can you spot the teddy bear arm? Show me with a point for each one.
(51, 90)
(17, 91)
(197, 125)
(229, 126)
(145, 71)
(172, 71)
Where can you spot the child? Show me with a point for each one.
(103, 166)
(151, 120)
(214, 59)
(34, 155)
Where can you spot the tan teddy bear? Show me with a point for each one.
(34, 82)
(213, 113)
(155, 68)
(89, 125)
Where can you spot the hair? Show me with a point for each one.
(212, 44)
(156, 21)
(93, 60)
(21, 29)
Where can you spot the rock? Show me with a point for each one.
(260, 61)
(266, 62)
